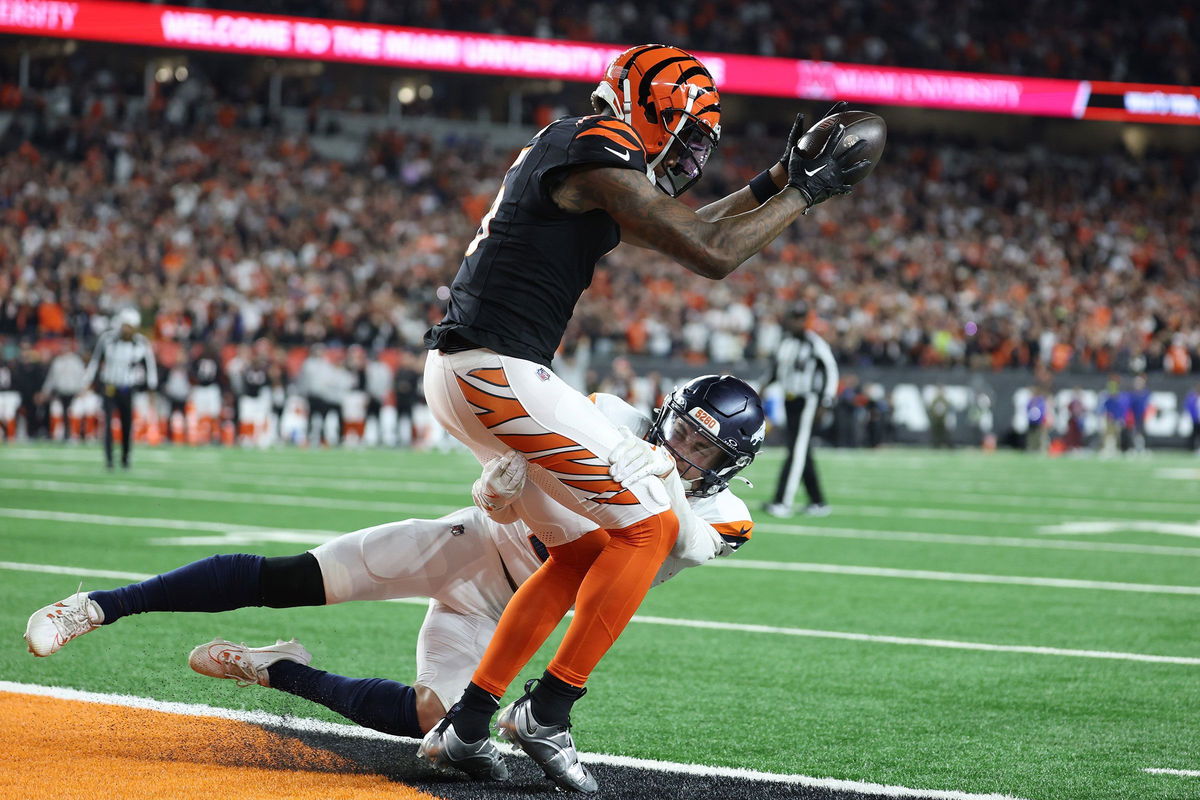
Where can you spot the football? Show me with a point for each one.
(860, 126)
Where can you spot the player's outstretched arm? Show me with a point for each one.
(649, 218)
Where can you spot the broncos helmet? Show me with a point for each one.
(713, 426)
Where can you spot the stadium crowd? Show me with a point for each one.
(949, 256)
(1151, 41)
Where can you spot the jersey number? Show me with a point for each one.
(487, 218)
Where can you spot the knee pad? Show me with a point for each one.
(290, 581)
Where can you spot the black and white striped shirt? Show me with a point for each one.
(806, 366)
(123, 364)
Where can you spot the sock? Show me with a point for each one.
(375, 703)
(216, 583)
(552, 698)
(471, 715)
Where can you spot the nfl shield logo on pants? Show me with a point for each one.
(541, 373)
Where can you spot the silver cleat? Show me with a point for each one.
(481, 760)
(550, 746)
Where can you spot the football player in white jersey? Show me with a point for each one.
(468, 562)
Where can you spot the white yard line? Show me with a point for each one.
(246, 479)
(233, 534)
(816, 531)
(746, 628)
(254, 498)
(160, 523)
(964, 515)
(953, 577)
(1185, 773)
(950, 644)
(341, 503)
(952, 495)
(302, 724)
(1179, 473)
(1093, 527)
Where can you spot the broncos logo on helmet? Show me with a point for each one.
(669, 98)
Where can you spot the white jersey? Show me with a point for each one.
(469, 564)
(708, 526)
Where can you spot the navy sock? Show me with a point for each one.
(216, 583)
(375, 703)
(471, 714)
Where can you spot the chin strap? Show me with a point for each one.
(743, 480)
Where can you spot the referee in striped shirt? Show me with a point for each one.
(807, 372)
(122, 363)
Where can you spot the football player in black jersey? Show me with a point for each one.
(579, 187)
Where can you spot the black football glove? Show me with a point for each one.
(821, 176)
(798, 130)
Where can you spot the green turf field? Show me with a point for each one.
(1078, 572)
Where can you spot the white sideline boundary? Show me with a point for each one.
(303, 724)
(811, 633)
(1183, 773)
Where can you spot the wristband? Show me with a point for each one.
(763, 186)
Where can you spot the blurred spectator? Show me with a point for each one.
(1075, 421)
(64, 381)
(1037, 413)
(939, 412)
(1192, 405)
(10, 399)
(1114, 406)
(1138, 402)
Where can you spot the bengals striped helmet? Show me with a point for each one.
(669, 98)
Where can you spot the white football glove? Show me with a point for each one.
(635, 458)
(502, 481)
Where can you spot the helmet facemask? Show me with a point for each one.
(705, 463)
(692, 143)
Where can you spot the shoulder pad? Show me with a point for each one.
(608, 141)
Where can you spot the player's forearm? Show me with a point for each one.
(741, 201)
(732, 240)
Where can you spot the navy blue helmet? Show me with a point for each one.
(713, 426)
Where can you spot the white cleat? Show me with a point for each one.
(550, 746)
(818, 510)
(53, 626)
(246, 665)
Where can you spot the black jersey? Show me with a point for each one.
(530, 261)
(254, 380)
(206, 371)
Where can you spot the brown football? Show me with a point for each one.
(860, 126)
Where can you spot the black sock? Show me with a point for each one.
(471, 714)
(375, 703)
(552, 698)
